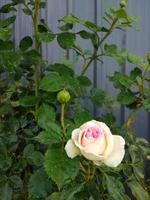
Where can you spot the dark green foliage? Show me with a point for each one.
(62, 172)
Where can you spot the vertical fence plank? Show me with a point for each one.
(84, 9)
(138, 42)
(55, 10)
(109, 66)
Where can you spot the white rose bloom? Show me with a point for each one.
(95, 142)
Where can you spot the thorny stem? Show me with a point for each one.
(129, 121)
(62, 117)
(110, 30)
(36, 65)
(94, 56)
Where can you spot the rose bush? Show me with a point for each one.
(95, 142)
(42, 103)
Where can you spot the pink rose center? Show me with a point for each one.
(89, 135)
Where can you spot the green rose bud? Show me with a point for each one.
(148, 57)
(123, 3)
(63, 97)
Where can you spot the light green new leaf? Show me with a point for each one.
(136, 59)
(5, 33)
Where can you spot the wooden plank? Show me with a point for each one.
(23, 25)
(84, 9)
(109, 66)
(55, 10)
(138, 42)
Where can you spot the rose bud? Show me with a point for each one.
(63, 97)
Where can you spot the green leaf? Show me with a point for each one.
(137, 160)
(28, 101)
(6, 22)
(32, 56)
(66, 27)
(39, 185)
(81, 117)
(33, 157)
(51, 136)
(115, 188)
(146, 104)
(27, 11)
(46, 116)
(121, 80)
(16, 182)
(62, 69)
(85, 35)
(42, 4)
(88, 24)
(121, 13)
(137, 190)
(5, 33)
(97, 97)
(68, 193)
(110, 49)
(62, 172)
(54, 196)
(126, 97)
(10, 60)
(52, 82)
(29, 149)
(5, 160)
(135, 59)
(36, 159)
(136, 72)
(6, 192)
(25, 43)
(66, 40)
(69, 19)
(6, 45)
(45, 37)
(7, 8)
(84, 81)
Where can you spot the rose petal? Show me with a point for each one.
(71, 150)
(108, 137)
(92, 156)
(116, 156)
(98, 147)
(75, 138)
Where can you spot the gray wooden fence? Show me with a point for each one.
(134, 41)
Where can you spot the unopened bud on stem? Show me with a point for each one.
(63, 97)
(123, 3)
